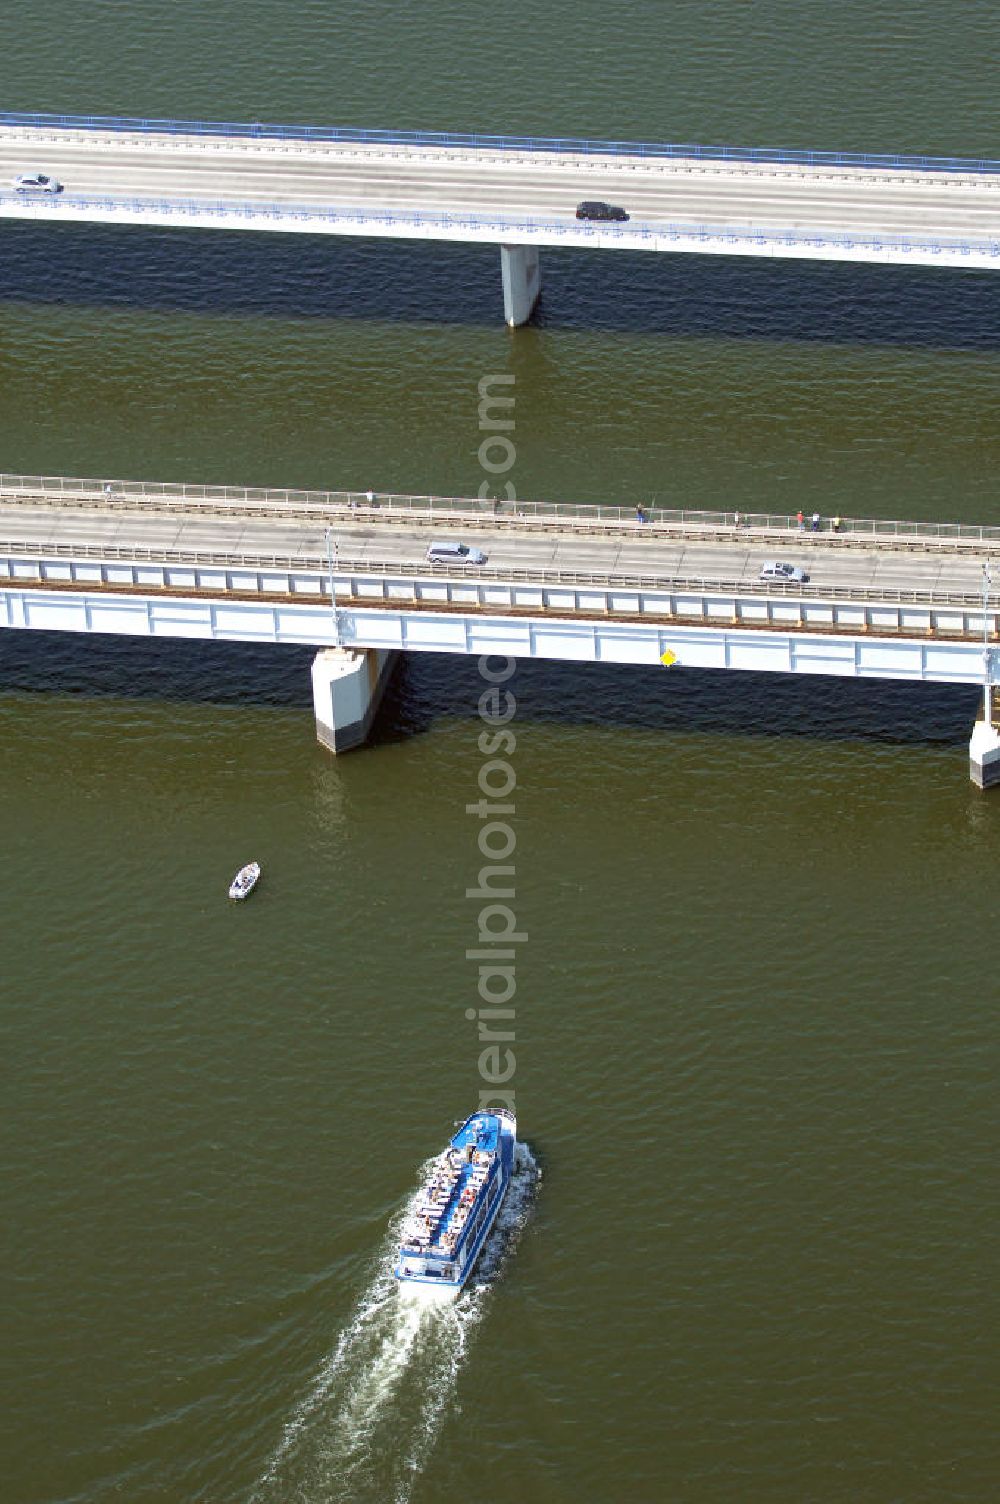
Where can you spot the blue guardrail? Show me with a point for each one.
(264, 130)
(637, 230)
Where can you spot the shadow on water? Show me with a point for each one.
(296, 276)
(427, 689)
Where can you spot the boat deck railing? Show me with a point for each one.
(480, 1201)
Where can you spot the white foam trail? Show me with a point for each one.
(369, 1422)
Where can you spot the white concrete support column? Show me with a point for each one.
(522, 282)
(984, 747)
(348, 684)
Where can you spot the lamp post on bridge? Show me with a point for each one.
(331, 554)
(987, 698)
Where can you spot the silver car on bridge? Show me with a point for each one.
(787, 574)
(36, 182)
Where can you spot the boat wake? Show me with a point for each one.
(369, 1422)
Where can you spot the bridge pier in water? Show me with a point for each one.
(348, 685)
(984, 747)
(522, 282)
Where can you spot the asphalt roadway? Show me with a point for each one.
(403, 544)
(654, 191)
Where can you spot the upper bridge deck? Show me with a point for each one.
(518, 193)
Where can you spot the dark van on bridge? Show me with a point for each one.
(595, 208)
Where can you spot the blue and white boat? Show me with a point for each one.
(451, 1218)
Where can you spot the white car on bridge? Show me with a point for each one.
(788, 574)
(455, 553)
(36, 182)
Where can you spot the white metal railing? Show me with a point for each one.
(107, 494)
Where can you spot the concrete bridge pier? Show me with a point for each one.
(522, 282)
(348, 684)
(984, 747)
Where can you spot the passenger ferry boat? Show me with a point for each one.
(445, 1233)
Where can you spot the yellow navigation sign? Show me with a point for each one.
(668, 659)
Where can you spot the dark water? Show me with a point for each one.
(756, 1043)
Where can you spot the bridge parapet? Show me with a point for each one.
(35, 123)
(779, 242)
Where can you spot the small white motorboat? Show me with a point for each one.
(245, 881)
